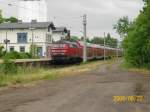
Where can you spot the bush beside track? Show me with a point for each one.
(29, 75)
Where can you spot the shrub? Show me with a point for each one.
(12, 55)
(25, 55)
(147, 66)
(29, 55)
(1, 51)
(17, 55)
(137, 43)
(34, 51)
(8, 67)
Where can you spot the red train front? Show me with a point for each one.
(66, 51)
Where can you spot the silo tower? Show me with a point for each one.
(32, 10)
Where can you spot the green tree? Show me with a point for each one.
(146, 2)
(137, 43)
(88, 40)
(34, 51)
(122, 26)
(11, 20)
(97, 40)
(110, 41)
(1, 51)
(1, 17)
(74, 38)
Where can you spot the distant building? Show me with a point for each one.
(21, 36)
(60, 33)
(32, 10)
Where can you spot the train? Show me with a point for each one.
(64, 51)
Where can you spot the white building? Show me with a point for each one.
(22, 35)
(32, 10)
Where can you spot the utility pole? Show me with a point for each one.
(104, 47)
(32, 43)
(84, 33)
(6, 42)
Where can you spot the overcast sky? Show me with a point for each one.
(102, 14)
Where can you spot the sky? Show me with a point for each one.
(101, 14)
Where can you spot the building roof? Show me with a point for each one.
(26, 25)
(60, 29)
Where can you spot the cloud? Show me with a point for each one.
(102, 14)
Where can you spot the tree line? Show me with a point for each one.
(109, 40)
(10, 19)
(136, 37)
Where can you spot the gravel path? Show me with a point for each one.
(92, 92)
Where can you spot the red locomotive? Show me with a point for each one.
(73, 51)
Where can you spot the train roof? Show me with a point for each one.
(64, 42)
(96, 45)
(81, 43)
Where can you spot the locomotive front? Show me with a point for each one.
(59, 51)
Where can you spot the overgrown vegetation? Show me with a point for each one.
(136, 36)
(8, 67)
(33, 51)
(2, 52)
(17, 55)
(137, 43)
(144, 71)
(29, 74)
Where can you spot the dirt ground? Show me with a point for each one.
(92, 92)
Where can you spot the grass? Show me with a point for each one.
(29, 75)
(128, 67)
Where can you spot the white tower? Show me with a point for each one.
(32, 10)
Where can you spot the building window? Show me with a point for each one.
(12, 48)
(22, 49)
(22, 37)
